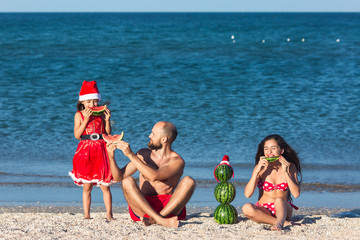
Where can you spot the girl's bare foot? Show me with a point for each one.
(110, 217)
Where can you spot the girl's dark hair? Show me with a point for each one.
(80, 106)
(289, 153)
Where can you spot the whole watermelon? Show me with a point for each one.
(225, 192)
(223, 172)
(225, 214)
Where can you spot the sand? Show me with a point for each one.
(67, 223)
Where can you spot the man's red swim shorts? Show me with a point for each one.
(157, 202)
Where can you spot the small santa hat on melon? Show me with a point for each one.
(89, 90)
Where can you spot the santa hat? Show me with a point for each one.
(89, 90)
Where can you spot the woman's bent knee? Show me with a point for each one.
(248, 209)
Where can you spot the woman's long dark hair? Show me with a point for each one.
(289, 153)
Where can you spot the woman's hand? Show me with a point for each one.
(107, 114)
(261, 166)
(285, 165)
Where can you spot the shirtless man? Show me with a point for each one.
(160, 196)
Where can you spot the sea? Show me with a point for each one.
(226, 80)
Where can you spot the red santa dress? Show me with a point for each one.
(91, 161)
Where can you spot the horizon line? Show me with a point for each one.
(180, 12)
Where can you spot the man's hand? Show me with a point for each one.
(110, 150)
(125, 148)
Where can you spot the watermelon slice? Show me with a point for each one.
(98, 111)
(272, 159)
(113, 138)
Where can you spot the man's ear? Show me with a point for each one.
(282, 151)
(164, 139)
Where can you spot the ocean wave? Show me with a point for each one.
(32, 175)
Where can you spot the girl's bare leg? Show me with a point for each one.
(87, 187)
(107, 201)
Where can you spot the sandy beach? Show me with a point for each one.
(33, 222)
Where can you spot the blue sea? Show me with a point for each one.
(226, 80)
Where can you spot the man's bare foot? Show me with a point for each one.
(86, 217)
(147, 221)
(169, 222)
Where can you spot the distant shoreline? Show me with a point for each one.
(187, 12)
(75, 209)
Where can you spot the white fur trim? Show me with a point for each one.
(90, 96)
(225, 162)
(77, 181)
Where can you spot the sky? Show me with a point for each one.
(179, 5)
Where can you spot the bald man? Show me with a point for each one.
(161, 195)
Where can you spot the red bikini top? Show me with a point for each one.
(268, 186)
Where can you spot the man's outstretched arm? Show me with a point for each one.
(117, 173)
(148, 172)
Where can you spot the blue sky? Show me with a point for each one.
(179, 5)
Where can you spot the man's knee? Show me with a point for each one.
(128, 183)
(188, 182)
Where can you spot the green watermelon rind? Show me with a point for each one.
(272, 159)
(225, 192)
(99, 112)
(225, 214)
(223, 172)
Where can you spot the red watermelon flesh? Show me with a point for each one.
(113, 138)
(98, 111)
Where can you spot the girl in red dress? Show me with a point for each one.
(91, 162)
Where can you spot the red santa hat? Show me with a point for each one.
(89, 90)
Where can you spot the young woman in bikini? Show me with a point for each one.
(276, 172)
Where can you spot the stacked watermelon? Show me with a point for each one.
(224, 193)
